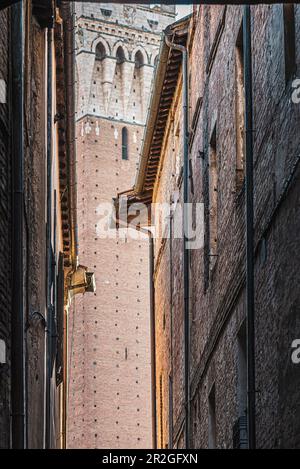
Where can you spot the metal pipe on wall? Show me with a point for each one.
(249, 230)
(186, 254)
(153, 341)
(18, 420)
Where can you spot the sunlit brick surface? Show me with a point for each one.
(109, 331)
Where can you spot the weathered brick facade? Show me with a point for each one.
(42, 139)
(217, 272)
(109, 332)
(5, 226)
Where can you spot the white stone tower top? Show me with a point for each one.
(117, 48)
(153, 18)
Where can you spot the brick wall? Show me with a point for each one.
(109, 341)
(218, 292)
(35, 229)
(5, 233)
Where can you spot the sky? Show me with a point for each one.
(183, 10)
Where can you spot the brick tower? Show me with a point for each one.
(109, 338)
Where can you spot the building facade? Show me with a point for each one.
(38, 217)
(109, 336)
(201, 374)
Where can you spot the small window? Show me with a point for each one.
(289, 40)
(124, 144)
(106, 13)
(242, 371)
(153, 24)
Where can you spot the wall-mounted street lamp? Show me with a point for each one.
(82, 281)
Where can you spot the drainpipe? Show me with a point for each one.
(48, 236)
(171, 331)
(153, 341)
(186, 256)
(17, 331)
(249, 229)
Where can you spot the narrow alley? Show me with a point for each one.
(149, 226)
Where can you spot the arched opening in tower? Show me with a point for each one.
(120, 56)
(100, 51)
(139, 60)
(137, 95)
